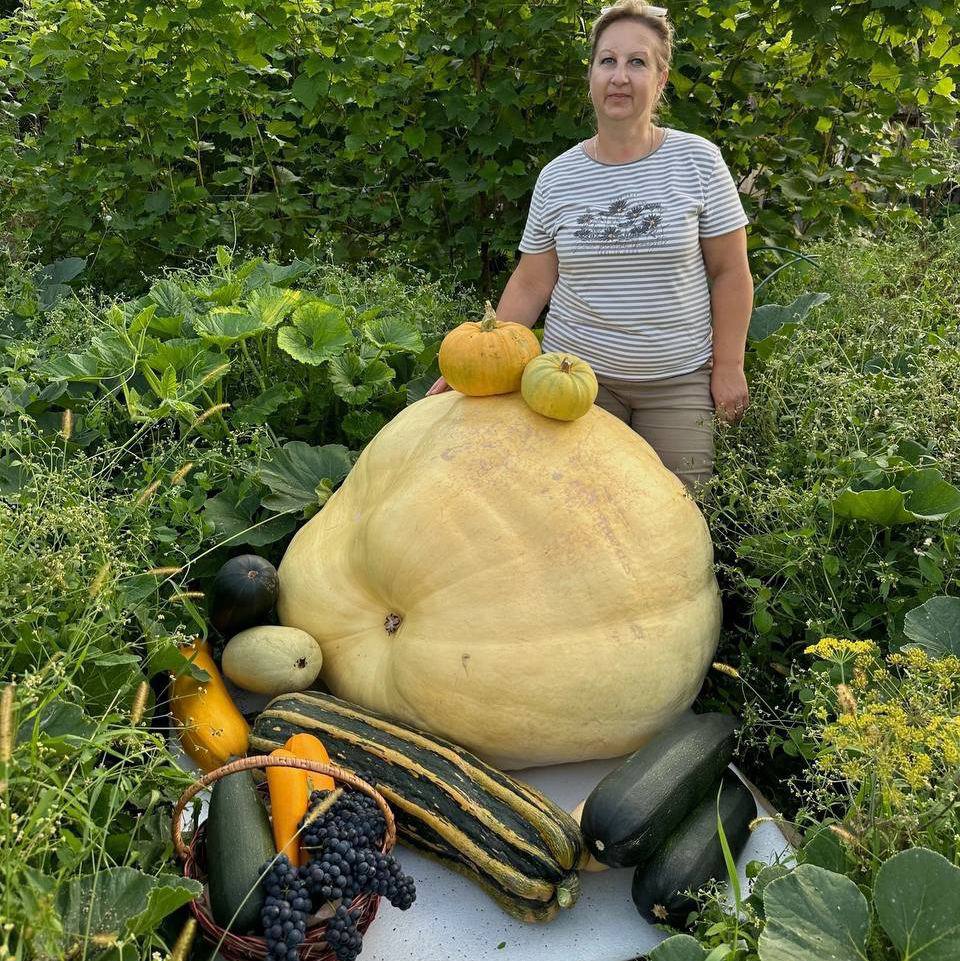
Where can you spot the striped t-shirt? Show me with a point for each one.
(632, 298)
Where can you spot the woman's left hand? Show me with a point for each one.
(730, 394)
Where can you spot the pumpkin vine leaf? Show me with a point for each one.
(319, 334)
(301, 477)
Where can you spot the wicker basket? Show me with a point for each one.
(235, 947)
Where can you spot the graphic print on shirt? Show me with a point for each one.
(626, 224)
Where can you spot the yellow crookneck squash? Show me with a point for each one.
(536, 591)
(211, 726)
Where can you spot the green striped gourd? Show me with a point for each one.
(518, 845)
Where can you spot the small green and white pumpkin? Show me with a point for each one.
(559, 385)
(272, 660)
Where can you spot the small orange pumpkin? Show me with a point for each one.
(559, 385)
(487, 357)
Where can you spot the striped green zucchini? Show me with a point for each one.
(516, 843)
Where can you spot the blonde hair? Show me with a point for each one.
(637, 12)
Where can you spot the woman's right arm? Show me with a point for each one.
(526, 294)
(529, 288)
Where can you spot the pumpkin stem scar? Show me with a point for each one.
(392, 622)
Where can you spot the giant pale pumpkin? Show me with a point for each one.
(536, 591)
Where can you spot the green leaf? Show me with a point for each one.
(363, 425)
(141, 321)
(168, 384)
(55, 720)
(813, 914)
(13, 474)
(354, 380)
(769, 318)
(921, 495)
(52, 280)
(235, 521)
(917, 896)
(225, 295)
(109, 355)
(61, 271)
(319, 333)
(174, 307)
(270, 305)
(728, 859)
(121, 901)
(276, 275)
(935, 625)
(169, 660)
(227, 325)
(679, 947)
(301, 476)
(821, 847)
(768, 873)
(930, 497)
(265, 404)
(190, 359)
(393, 333)
(111, 658)
(882, 507)
(307, 89)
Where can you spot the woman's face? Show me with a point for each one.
(624, 79)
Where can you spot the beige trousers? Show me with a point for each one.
(675, 416)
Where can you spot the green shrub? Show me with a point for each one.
(136, 134)
(834, 505)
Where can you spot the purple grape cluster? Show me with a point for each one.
(343, 845)
(354, 817)
(343, 936)
(285, 909)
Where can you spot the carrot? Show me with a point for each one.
(311, 748)
(288, 805)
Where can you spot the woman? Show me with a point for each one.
(624, 231)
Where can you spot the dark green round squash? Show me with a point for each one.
(243, 593)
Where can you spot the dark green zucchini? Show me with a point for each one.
(238, 843)
(635, 807)
(692, 855)
(517, 844)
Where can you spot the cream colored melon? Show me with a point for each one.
(536, 591)
(272, 660)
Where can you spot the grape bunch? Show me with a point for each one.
(342, 934)
(285, 909)
(354, 817)
(391, 883)
(343, 846)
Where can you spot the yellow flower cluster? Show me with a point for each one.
(840, 649)
(892, 731)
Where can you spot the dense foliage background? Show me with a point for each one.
(139, 133)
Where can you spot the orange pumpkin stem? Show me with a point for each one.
(489, 321)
